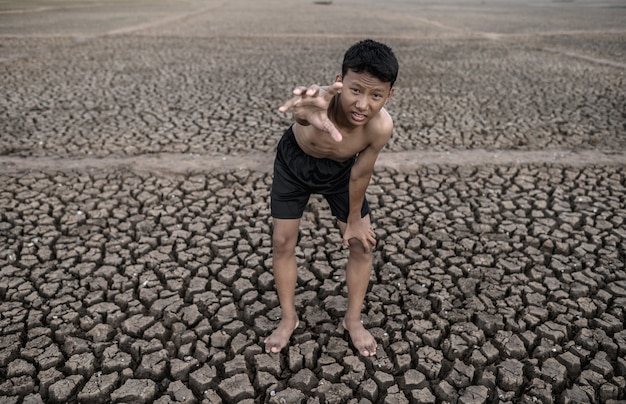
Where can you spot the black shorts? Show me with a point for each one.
(298, 175)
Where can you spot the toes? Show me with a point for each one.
(368, 352)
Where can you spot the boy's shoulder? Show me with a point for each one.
(381, 126)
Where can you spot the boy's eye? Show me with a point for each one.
(355, 90)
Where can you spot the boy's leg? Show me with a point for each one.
(284, 240)
(358, 272)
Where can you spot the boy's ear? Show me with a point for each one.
(389, 95)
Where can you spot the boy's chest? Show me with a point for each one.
(349, 147)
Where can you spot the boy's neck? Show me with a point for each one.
(337, 116)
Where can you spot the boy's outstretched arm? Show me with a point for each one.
(310, 107)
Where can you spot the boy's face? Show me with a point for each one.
(362, 96)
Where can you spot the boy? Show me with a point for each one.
(331, 150)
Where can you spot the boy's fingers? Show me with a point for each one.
(290, 103)
(366, 246)
(313, 91)
(334, 89)
(336, 135)
(299, 90)
(332, 129)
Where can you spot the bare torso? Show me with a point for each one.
(355, 139)
(323, 146)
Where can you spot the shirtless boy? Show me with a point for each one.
(331, 149)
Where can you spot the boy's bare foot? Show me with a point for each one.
(362, 340)
(280, 337)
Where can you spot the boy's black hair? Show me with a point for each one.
(371, 57)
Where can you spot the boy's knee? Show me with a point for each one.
(358, 251)
(283, 244)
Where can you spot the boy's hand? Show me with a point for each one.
(360, 230)
(311, 105)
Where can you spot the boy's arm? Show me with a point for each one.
(360, 176)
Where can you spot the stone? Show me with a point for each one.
(601, 364)
(553, 331)
(20, 367)
(17, 386)
(412, 380)
(153, 366)
(74, 346)
(333, 392)
(138, 391)
(114, 360)
(337, 348)
(555, 373)
(461, 375)
(84, 364)
(574, 395)
(235, 366)
(264, 381)
(429, 361)
(474, 395)
(9, 352)
(383, 380)
(156, 331)
(455, 347)
(423, 396)
(295, 359)
(63, 390)
(236, 388)
(101, 333)
(510, 375)
(137, 324)
(288, 396)
(99, 388)
(268, 363)
(33, 399)
(181, 393)
(510, 345)
(190, 315)
(446, 392)
(396, 398)
(47, 378)
(304, 380)
(489, 323)
(332, 372)
(201, 379)
(179, 369)
(571, 363)
(353, 364)
(369, 390)
(50, 357)
(540, 390)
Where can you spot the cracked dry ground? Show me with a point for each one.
(491, 284)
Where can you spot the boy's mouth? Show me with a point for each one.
(358, 117)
